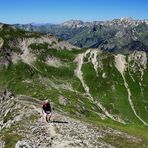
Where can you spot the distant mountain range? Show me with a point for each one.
(104, 88)
(118, 35)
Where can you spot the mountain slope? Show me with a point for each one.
(25, 127)
(89, 84)
(119, 35)
(108, 81)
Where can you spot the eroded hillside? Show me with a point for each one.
(118, 35)
(88, 84)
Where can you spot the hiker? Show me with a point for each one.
(46, 110)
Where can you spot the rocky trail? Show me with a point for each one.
(62, 132)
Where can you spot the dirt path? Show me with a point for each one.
(62, 132)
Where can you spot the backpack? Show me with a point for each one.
(46, 106)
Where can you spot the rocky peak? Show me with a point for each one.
(73, 23)
(125, 22)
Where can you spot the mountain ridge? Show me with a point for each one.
(118, 35)
(62, 131)
(74, 21)
(100, 87)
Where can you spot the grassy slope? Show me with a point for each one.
(14, 79)
(110, 91)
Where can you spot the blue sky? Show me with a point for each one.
(57, 11)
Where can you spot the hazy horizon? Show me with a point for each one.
(44, 23)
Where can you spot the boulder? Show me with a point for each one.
(63, 100)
